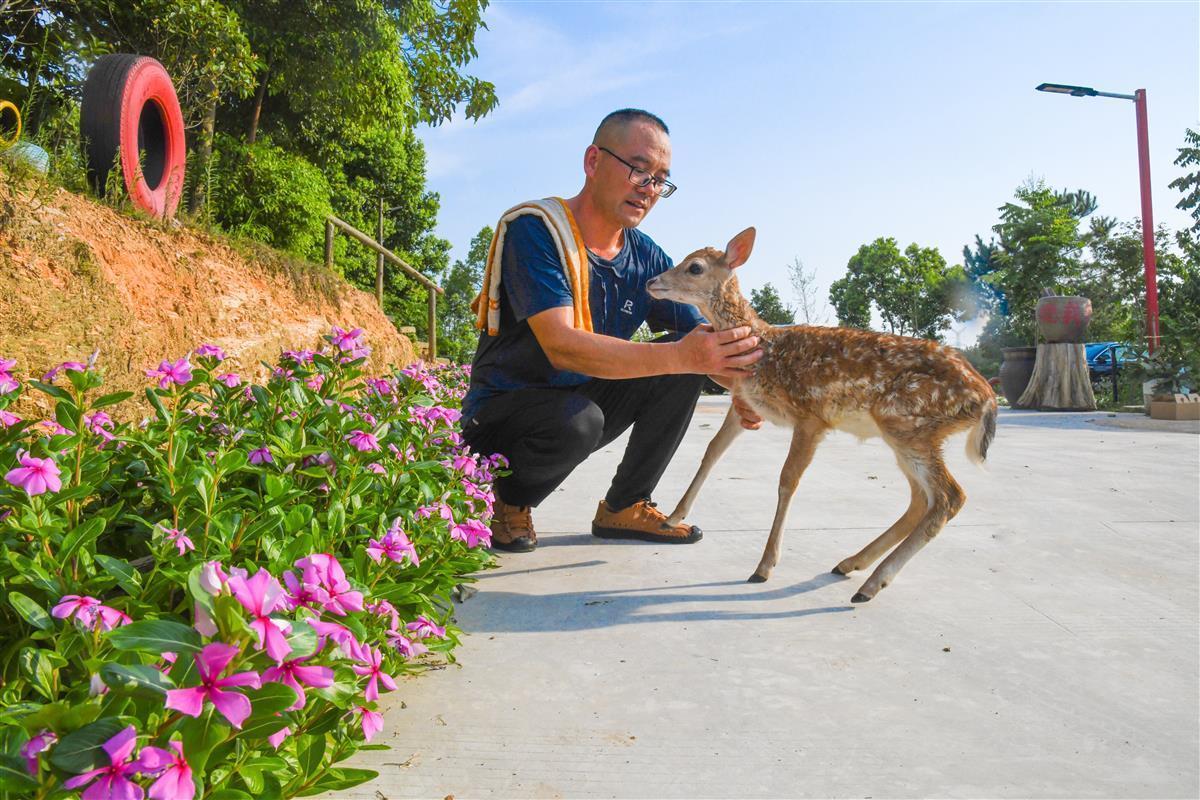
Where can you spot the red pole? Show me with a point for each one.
(1143, 142)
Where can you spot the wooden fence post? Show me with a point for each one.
(328, 245)
(432, 326)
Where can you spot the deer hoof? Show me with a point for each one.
(839, 571)
(859, 598)
(756, 578)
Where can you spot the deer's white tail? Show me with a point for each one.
(982, 434)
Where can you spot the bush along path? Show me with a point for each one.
(210, 604)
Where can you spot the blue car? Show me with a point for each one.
(1101, 356)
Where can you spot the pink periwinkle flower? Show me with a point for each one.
(406, 647)
(395, 545)
(8, 419)
(210, 663)
(230, 379)
(179, 538)
(464, 463)
(66, 366)
(340, 635)
(99, 423)
(371, 659)
(310, 595)
(97, 686)
(423, 628)
(176, 782)
(38, 744)
(8, 383)
(35, 475)
(108, 619)
(167, 373)
(324, 569)
(299, 356)
(82, 608)
(294, 674)
(377, 468)
(372, 722)
(278, 736)
(210, 351)
(112, 782)
(363, 441)
(345, 340)
(472, 532)
(384, 608)
(442, 509)
(262, 455)
(261, 595)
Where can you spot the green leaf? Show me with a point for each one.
(272, 697)
(260, 726)
(200, 736)
(338, 779)
(232, 461)
(303, 641)
(52, 390)
(311, 754)
(155, 401)
(229, 794)
(13, 777)
(127, 577)
(33, 613)
(81, 750)
(106, 400)
(38, 666)
(139, 678)
(156, 636)
(80, 536)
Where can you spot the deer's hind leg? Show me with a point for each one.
(807, 434)
(900, 529)
(729, 431)
(943, 498)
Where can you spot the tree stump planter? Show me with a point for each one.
(1060, 380)
(1015, 371)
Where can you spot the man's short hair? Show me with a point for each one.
(625, 116)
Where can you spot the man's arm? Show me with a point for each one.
(703, 351)
(751, 421)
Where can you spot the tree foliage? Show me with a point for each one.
(804, 290)
(457, 321)
(912, 291)
(296, 108)
(767, 303)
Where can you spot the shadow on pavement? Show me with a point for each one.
(513, 612)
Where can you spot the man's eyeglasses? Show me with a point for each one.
(640, 177)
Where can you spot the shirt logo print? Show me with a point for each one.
(627, 308)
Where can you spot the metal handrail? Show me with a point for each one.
(332, 223)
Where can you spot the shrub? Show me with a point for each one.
(268, 194)
(212, 602)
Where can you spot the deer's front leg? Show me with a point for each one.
(730, 428)
(805, 438)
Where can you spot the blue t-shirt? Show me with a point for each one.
(532, 280)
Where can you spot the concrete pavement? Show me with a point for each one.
(1044, 645)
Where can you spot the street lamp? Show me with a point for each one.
(1143, 143)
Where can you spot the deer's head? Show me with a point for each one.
(702, 277)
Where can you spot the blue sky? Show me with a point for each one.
(826, 125)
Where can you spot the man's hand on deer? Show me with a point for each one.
(728, 353)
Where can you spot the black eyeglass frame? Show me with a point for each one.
(662, 186)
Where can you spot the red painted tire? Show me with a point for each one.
(130, 109)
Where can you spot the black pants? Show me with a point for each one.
(546, 433)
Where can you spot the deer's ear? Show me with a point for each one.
(738, 249)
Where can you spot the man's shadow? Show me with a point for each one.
(513, 612)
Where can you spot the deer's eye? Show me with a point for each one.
(694, 268)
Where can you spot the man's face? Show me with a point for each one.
(641, 144)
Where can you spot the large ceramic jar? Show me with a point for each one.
(1063, 318)
(1015, 371)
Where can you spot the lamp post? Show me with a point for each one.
(1143, 143)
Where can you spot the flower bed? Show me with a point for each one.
(211, 603)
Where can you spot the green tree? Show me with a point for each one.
(767, 303)
(458, 333)
(1189, 184)
(913, 291)
(1039, 248)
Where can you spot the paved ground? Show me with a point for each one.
(1045, 645)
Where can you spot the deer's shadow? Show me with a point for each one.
(514, 612)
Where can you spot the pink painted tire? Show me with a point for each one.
(130, 111)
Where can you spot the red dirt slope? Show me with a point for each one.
(76, 275)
